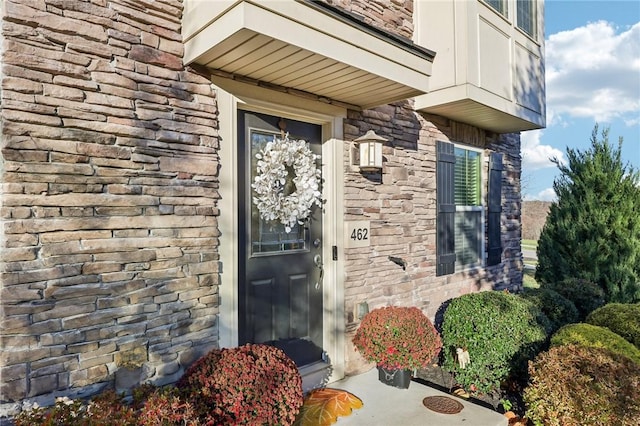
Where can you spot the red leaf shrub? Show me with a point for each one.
(151, 406)
(64, 412)
(166, 407)
(250, 384)
(575, 385)
(398, 337)
(108, 408)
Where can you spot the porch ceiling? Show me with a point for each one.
(305, 46)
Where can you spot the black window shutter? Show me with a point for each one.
(446, 209)
(494, 237)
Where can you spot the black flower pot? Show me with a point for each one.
(397, 378)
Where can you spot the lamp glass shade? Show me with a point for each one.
(370, 151)
(370, 155)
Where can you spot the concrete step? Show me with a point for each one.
(388, 406)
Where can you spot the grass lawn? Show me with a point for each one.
(528, 279)
(531, 245)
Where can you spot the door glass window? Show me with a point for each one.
(270, 236)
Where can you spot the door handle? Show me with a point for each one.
(317, 260)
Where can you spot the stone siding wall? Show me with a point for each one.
(401, 207)
(508, 275)
(395, 16)
(534, 216)
(109, 197)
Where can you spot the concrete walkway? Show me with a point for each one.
(388, 406)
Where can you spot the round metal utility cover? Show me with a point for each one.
(442, 404)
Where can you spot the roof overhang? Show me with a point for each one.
(308, 47)
(477, 107)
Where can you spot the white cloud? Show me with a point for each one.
(592, 72)
(535, 155)
(554, 119)
(545, 195)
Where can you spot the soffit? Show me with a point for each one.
(309, 47)
(479, 108)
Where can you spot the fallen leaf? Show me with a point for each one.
(461, 393)
(518, 421)
(322, 407)
(510, 415)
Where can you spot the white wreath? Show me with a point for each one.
(287, 182)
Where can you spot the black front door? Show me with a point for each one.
(280, 272)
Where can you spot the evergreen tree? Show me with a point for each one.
(593, 229)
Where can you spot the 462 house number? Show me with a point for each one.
(358, 234)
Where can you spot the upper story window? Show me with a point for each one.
(498, 5)
(525, 13)
(526, 19)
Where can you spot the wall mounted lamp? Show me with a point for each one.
(370, 151)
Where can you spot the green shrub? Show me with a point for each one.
(501, 331)
(621, 318)
(557, 308)
(587, 296)
(597, 337)
(575, 385)
(592, 231)
(250, 384)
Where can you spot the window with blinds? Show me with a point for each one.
(468, 202)
(499, 5)
(526, 17)
(460, 220)
(467, 178)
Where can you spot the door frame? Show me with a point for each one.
(236, 96)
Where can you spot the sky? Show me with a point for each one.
(592, 77)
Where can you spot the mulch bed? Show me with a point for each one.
(437, 378)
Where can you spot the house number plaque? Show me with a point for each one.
(358, 234)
